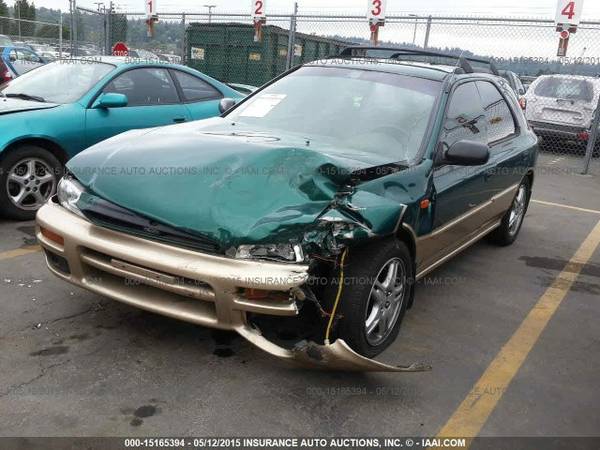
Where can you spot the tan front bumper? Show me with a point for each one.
(186, 285)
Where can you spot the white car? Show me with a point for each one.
(560, 108)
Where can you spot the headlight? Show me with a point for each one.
(68, 192)
(278, 252)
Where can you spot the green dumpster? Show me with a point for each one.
(227, 51)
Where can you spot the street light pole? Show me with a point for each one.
(210, 8)
(416, 23)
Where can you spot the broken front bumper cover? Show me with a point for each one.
(183, 284)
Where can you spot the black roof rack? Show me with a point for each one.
(466, 63)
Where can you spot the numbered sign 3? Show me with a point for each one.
(376, 10)
(568, 12)
(259, 10)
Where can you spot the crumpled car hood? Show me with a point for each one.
(12, 105)
(231, 184)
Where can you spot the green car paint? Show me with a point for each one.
(236, 184)
(67, 129)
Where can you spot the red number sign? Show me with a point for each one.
(376, 11)
(568, 12)
(258, 9)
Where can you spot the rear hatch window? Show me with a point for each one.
(565, 88)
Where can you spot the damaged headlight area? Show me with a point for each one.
(271, 252)
(69, 192)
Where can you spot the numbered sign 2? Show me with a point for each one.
(568, 12)
(376, 10)
(259, 9)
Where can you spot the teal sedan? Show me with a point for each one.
(54, 112)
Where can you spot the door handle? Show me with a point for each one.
(179, 119)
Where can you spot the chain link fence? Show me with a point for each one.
(560, 95)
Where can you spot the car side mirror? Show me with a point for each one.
(467, 153)
(522, 91)
(111, 100)
(12, 58)
(226, 104)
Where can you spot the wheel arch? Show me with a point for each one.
(406, 235)
(531, 176)
(55, 149)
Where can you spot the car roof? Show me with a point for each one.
(436, 72)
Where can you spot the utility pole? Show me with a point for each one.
(210, 8)
(18, 6)
(72, 26)
(108, 31)
(292, 39)
(60, 35)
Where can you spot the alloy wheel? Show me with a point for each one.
(385, 301)
(30, 183)
(517, 211)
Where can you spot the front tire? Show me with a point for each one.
(378, 283)
(28, 178)
(512, 221)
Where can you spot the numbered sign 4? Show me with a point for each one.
(259, 9)
(376, 10)
(568, 12)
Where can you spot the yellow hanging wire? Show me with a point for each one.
(337, 297)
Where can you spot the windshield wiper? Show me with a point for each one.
(35, 98)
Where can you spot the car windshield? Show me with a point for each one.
(366, 110)
(565, 88)
(59, 82)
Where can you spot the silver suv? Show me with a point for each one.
(560, 108)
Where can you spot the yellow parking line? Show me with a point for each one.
(475, 409)
(19, 252)
(560, 205)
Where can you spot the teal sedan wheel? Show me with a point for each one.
(29, 177)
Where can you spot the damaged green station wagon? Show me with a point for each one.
(313, 205)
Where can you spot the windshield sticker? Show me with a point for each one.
(263, 105)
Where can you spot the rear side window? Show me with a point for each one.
(194, 89)
(465, 119)
(499, 118)
(565, 88)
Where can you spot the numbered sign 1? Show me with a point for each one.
(150, 8)
(258, 10)
(376, 10)
(568, 12)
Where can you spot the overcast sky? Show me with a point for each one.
(529, 8)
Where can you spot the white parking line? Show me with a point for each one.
(560, 205)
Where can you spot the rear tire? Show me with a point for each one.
(373, 301)
(28, 178)
(512, 221)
